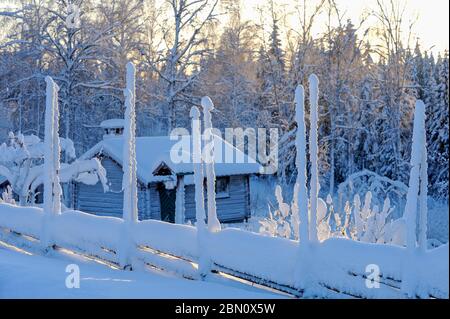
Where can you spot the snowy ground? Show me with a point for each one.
(32, 276)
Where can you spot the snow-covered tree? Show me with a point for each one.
(229, 76)
(396, 102)
(21, 162)
(437, 131)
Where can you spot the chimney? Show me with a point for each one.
(112, 128)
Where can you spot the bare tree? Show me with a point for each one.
(393, 83)
(178, 63)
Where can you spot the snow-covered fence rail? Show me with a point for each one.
(340, 264)
(85, 233)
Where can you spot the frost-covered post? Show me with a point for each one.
(410, 214)
(52, 188)
(301, 271)
(300, 163)
(423, 208)
(57, 190)
(313, 153)
(130, 209)
(203, 263)
(213, 221)
(414, 177)
(129, 182)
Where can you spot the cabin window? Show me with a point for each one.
(223, 187)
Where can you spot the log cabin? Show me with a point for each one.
(165, 178)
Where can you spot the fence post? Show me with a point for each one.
(129, 148)
(300, 163)
(203, 260)
(52, 187)
(129, 181)
(423, 209)
(301, 271)
(213, 221)
(313, 153)
(409, 280)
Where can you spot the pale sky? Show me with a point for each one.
(432, 25)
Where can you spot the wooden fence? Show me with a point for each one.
(339, 264)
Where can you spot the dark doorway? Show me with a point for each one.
(167, 203)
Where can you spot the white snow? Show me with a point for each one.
(23, 220)
(112, 123)
(25, 276)
(269, 258)
(272, 259)
(154, 233)
(152, 150)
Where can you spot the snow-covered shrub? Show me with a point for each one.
(370, 224)
(21, 162)
(280, 223)
(324, 213)
(379, 186)
(284, 220)
(8, 196)
(370, 221)
(342, 223)
(364, 222)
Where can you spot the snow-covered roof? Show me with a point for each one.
(2, 179)
(112, 123)
(151, 151)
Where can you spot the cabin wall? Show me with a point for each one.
(92, 198)
(153, 202)
(236, 207)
